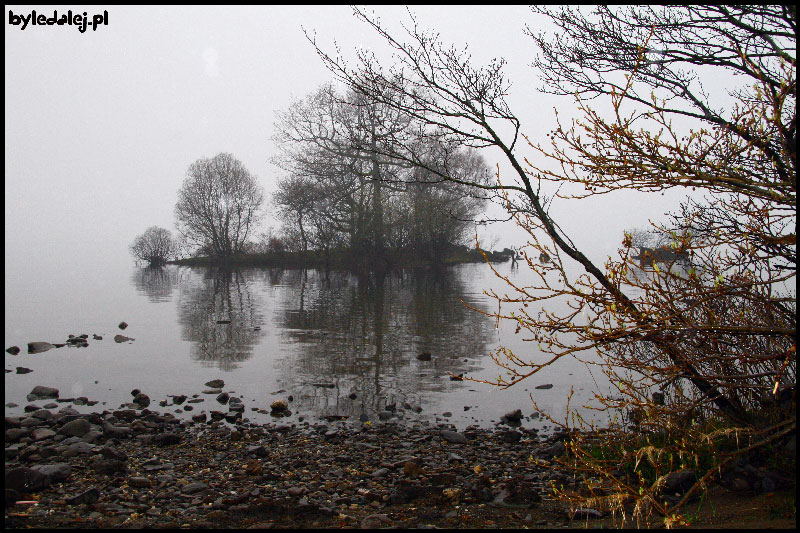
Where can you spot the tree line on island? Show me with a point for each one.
(340, 197)
(702, 357)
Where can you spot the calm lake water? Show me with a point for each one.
(271, 333)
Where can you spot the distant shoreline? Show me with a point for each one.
(341, 260)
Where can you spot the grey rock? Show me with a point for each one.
(453, 436)
(43, 414)
(40, 391)
(512, 416)
(122, 338)
(139, 482)
(544, 387)
(23, 370)
(117, 432)
(82, 448)
(15, 434)
(375, 521)
(102, 465)
(39, 347)
(215, 384)
(142, 400)
(510, 436)
(167, 439)
(57, 472)
(112, 453)
(122, 325)
(42, 434)
(76, 428)
(23, 479)
(556, 450)
(194, 488)
(86, 497)
(13, 350)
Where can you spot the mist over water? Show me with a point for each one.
(339, 344)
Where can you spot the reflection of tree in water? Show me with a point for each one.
(156, 282)
(220, 315)
(363, 334)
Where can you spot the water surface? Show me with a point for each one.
(337, 343)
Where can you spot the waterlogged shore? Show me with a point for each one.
(141, 468)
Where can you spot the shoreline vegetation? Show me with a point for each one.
(345, 259)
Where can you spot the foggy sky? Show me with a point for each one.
(101, 126)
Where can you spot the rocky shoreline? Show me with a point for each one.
(140, 468)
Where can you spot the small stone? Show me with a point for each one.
(13, 350)
(453, 436)
(167, 439)
(122, 325)
(375, 521)
(142, 400)
(194, 488)
(278, 406)
(139, 482)
(510, 436)
(512, 417)
(23, 370)
(87, 497)
(122, 338)
(545, 386)
(412, 469)
(583, 514)
(215, 384)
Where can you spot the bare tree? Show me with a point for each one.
(218, 205)
(343, 190)
(726, 325)
(155, 246)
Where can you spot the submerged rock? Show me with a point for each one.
(40, 391)
(39, 346)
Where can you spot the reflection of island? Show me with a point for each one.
(156, 282)
(362, 334)
(220, 315)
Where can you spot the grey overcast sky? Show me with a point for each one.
(101, 126)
